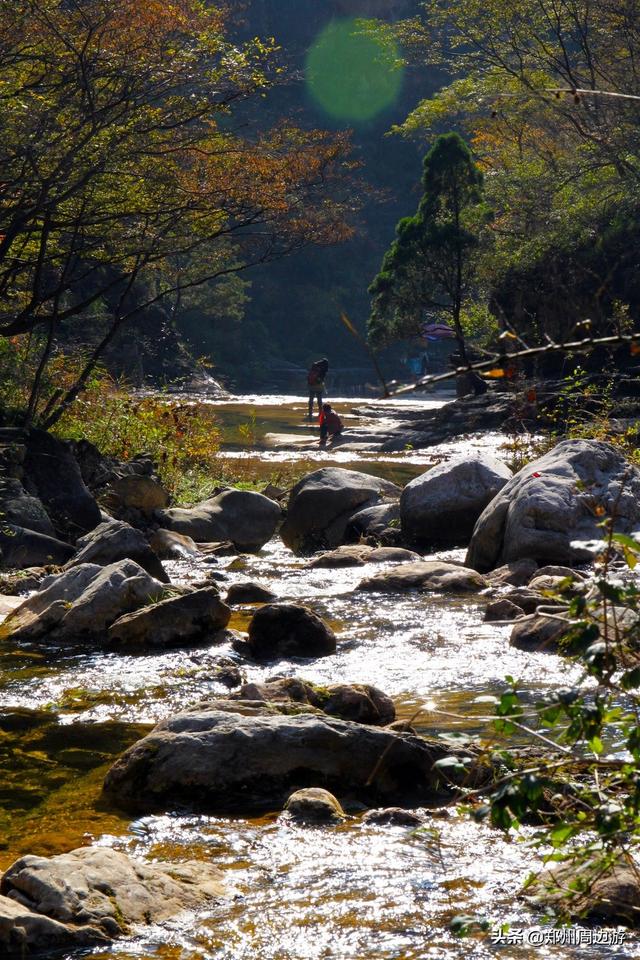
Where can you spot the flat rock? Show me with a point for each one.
(425, 575)
(169, 545)
(176, 622)
(247, 519)
(360, 702)
(98, 894)
(502, 610)
(216, 761)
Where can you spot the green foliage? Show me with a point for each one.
(182, 438)
(430, 265)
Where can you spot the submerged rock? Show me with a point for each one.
(441, 506)
(247, 519)
(177, 622)
(93, 895)
(83, 602)
(550, 510)
(216, 761)
(115, 540)
(289, 630)
(394, 817)
(437, 575)
(249, 592)
(314, 805)
(323, 503)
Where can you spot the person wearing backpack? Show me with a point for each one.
(315, 382)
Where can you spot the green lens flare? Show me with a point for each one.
(352, 73)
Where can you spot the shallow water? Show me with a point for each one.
(352, 891)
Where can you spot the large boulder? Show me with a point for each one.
(51, 469)
(441, 507)
(211, 761)
(425, 575)
(289, 630)
(115, 540)
(552, 510)
(177, 622)
(83, 602)
(20, 508)
(349, 701)
(142, 493)
(323, 503)
(247, 519)
(20, 548)
(93, 895)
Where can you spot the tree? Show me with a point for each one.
(125, 179)
(548, 93)
(429, 266)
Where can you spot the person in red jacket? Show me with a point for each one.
(330, 424)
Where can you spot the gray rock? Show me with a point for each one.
(373, 520)
(20, 548)
(97, 894)
(502, 610)
(289, 630)
(177, 622)
(359, 702)
(21, 509)
(394, 817)
(436, 575)
(136, 493)
(539, 633)
(548, 510)
(354, 555)
(441, 506)
(169, 545)
(24, 933)
(52, 470)
(562, 572)
(392, 555)
(515, 574)
(314, 805)
(322, 505)
(249, 592)
(216, 761)
(83, 602)
(247, 519)
(116, 540)
(610, 896)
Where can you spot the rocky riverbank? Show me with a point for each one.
(113, 592)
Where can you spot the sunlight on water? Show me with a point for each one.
(351, 892)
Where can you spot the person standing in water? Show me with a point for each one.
(315, 382)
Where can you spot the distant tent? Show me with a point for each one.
(437, 331)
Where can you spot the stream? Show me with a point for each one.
(355, 891)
